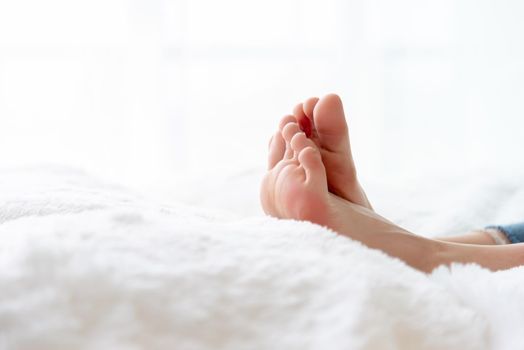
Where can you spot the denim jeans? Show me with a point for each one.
(514, 232)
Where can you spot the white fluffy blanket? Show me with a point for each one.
(85, 265)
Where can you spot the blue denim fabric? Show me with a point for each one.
(514, 232)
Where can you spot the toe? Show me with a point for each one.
(330, 124)
(300, 141)
(298, 111)
(309, 106)
(286, 120)
(311, 161)
(277, 149)
(289, 131)
(304, 116)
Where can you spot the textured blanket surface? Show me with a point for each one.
(86, 265)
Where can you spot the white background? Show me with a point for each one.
(148, 91)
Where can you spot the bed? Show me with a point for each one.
(86, 264)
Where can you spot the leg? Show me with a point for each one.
(481, 237)
(495, 258)
(500, 235)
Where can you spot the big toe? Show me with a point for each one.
(330, 124)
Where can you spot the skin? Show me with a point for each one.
(312, 178)
(329, 132)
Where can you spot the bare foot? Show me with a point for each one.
(331, 138)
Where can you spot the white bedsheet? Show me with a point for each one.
(85, 265)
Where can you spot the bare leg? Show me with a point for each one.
(481, 237)
(498, 257)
